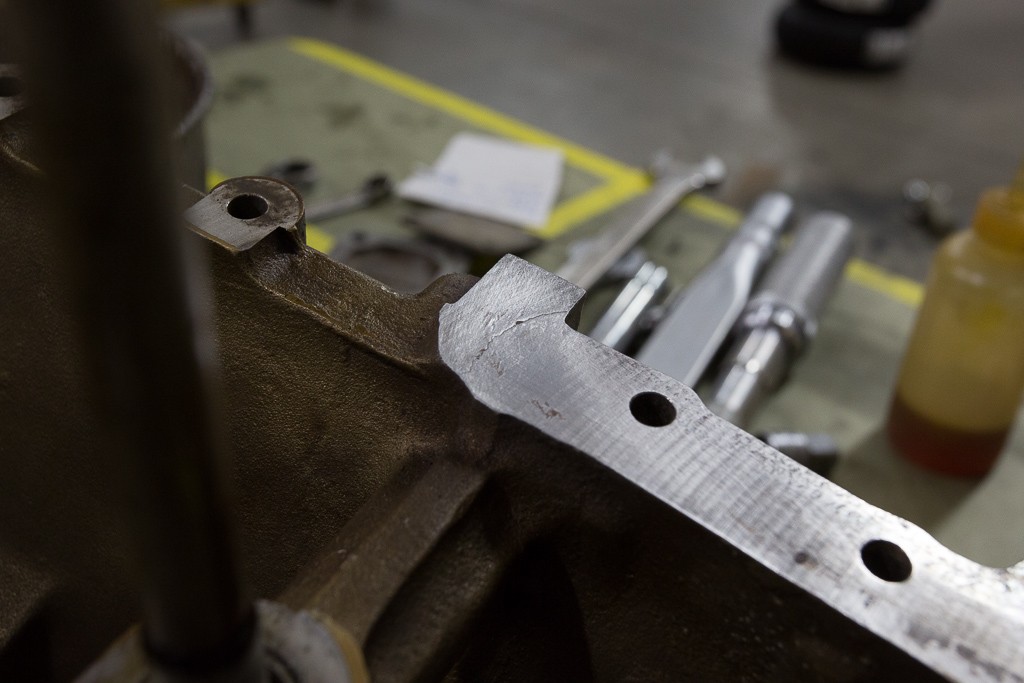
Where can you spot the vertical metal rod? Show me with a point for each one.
(101, 102)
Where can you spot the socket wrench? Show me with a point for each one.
(782, 318)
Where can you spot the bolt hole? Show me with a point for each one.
(652, 409)
(248, 206)
(886, 560)
(9, 86)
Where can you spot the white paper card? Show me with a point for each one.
(491, 177)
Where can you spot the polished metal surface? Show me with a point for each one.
(755, 366)
(674, 181)
(804, 279)
(690, 334)
(508, 341)
(782, 318)
(619, 325)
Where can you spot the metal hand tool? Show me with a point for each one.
(374, 189)
(930, 206)
(673, 182)
(623, 269)
(472, 233)
(405, 264)
(781, 319)
(621, 322)
(302, 174)
(683, 345)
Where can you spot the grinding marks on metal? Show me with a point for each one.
(508, 341)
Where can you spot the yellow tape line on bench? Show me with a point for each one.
(459, 107)
(622, 181)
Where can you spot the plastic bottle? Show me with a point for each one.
(963, 374)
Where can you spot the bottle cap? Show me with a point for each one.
(999, 219)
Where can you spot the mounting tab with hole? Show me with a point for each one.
(240, 212)
(247, 207)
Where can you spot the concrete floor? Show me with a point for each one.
(700, 77)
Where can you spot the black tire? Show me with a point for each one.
(825, 38)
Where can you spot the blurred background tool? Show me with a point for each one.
(478, 235)
(374, 189)
(300, 173)
(928, 205)
(691, 333)
(673, 182)
(406, 265)
(621, 323)
(782, 318)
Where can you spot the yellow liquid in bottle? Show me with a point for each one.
(963, 374)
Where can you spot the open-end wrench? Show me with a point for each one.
(673, 181)
(373, 189)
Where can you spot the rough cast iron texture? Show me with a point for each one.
(498, 514)
(331, 385)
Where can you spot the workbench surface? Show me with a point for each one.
(354, 117)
